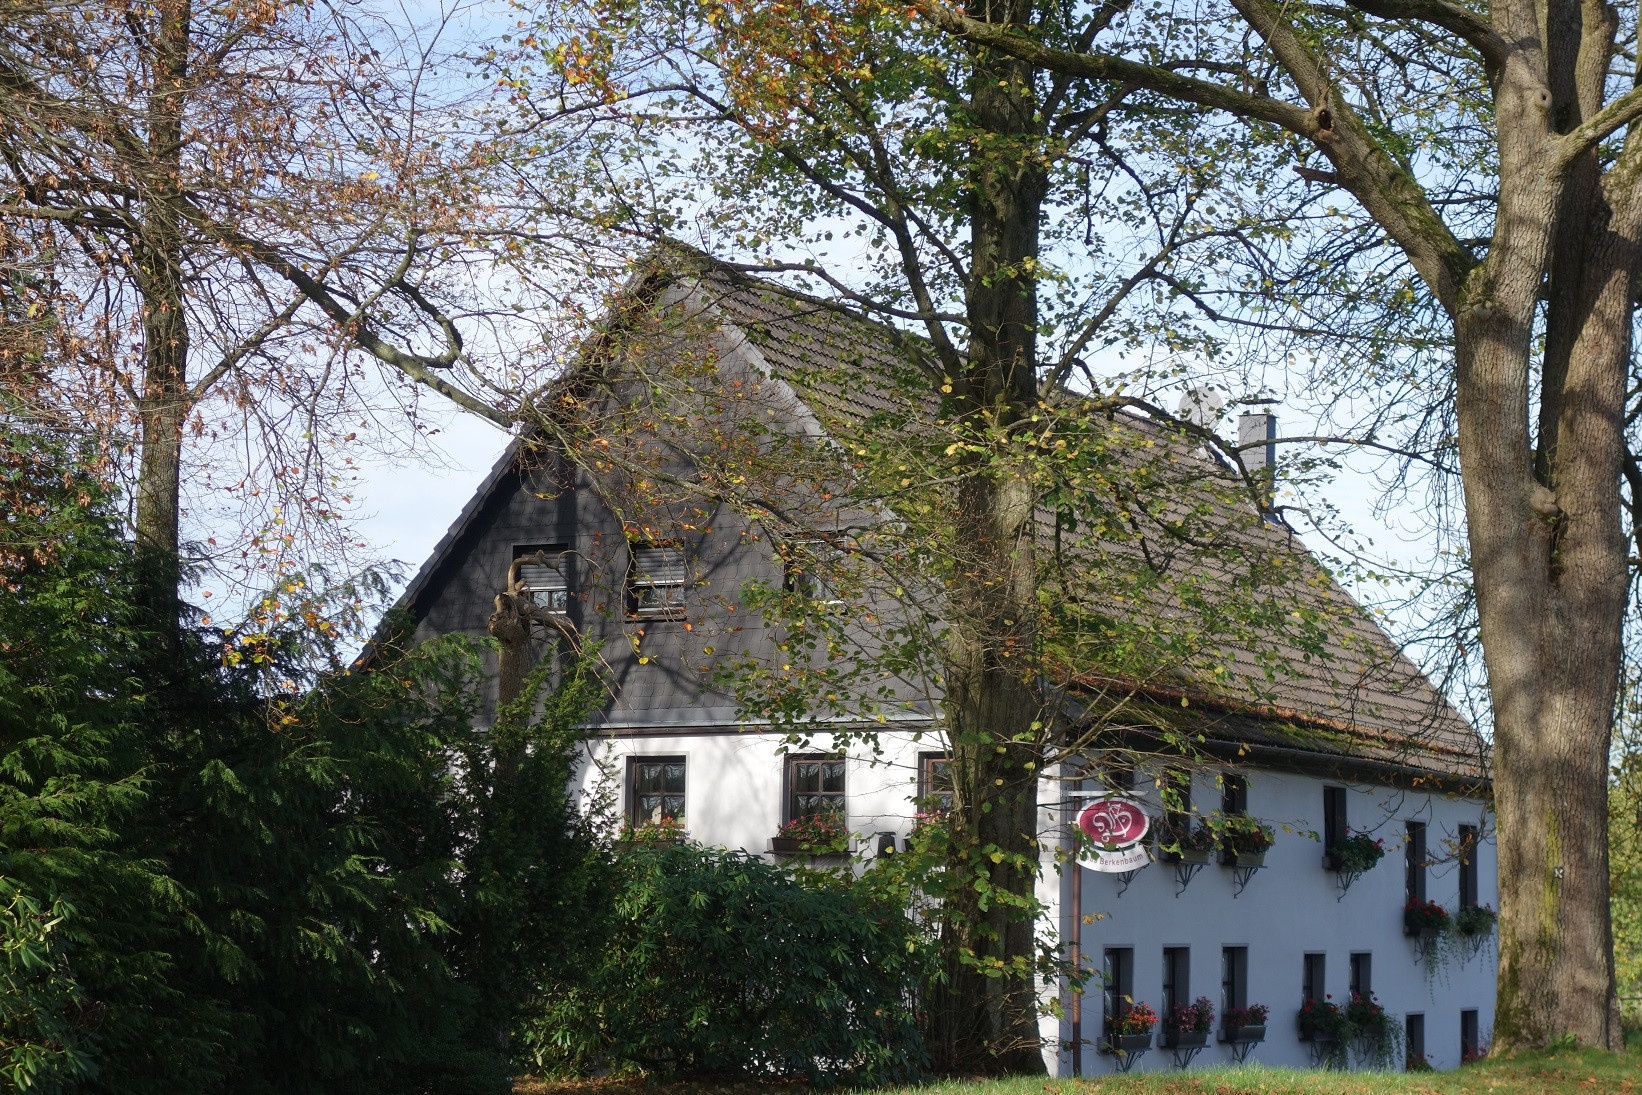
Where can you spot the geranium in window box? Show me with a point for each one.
(1323, 1021)
(1424, 918)
(1131, 1032)
(1245, 1024)
(1185, 843)
(651, 834)
(813, 834)
(1475, 921)
(1372, 1028)
(1188, 1025)
(1355, 853)
(1244, 841)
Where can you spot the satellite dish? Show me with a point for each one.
(1201, 407)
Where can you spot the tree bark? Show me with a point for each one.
(157, 253)
(994, 711)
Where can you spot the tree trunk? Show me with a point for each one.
(1548, 555)
(988, 1016)
(164, 404)
(1553, 654)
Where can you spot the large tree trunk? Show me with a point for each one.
(1548, 554)
(989, 1011)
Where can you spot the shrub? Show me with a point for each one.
(717, 963)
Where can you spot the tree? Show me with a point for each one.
(947, 170)
(1532, 273)
(222, 208)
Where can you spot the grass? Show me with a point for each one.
(1564, 1072)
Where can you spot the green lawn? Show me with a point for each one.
(1573, 1072)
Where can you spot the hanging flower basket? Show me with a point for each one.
(1425, 918)
(1475, 921)
(1355, 853)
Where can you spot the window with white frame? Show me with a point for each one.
(545, 584)
(655, 580)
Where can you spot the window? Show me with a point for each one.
(655, 789)
(1177, 802)
(1234, 795)
(1234, 978)
(934, 782)
(545, 584)
(1362, 974)
(815, 785)
(1118, 982)
(1468, 866)
(1414, 1039)
(1311, 986)
(1468, 1036)
(655, 581)
(1177, 978)
(1117, 771)
(1334, 816)
(1414, 854)
(806, 568)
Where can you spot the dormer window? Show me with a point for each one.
(542, 584)
(805, 566)
(655, 581)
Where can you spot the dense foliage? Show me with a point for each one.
(717, 963)
(229, 863)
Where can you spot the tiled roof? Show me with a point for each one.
(1316, 673)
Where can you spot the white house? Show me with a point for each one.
(1349, 736)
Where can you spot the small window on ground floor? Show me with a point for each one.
(1177, 978)
(1362, 974)
(1234, 978)
(1117, 982)
(1414, 1037)
(1312, 978)
(934, 782)
(1470, 1044)
(655, 790)
(815, 785)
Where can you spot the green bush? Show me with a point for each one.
(717, 963)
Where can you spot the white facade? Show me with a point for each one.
(735, 797)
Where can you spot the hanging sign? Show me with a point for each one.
(1114, 829)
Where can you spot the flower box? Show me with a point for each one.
(1245, 1032)
(791, 845)
(1423, 918)
(1185, 1039)
(1230, 858)
(1129, 1043)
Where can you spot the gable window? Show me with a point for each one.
(1334, 817)
(804, 570)
(934, 782)
(1234, 978)
(1468, 866)
(655, 581)
(815, 785)
(655, 790)
(1414, 853)
(545, 585)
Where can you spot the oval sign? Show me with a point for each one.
(1114, 826)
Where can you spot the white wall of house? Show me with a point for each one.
(734, 798)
